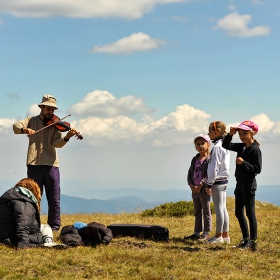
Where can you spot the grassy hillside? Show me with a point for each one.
(130, 258)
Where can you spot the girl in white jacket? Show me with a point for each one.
(217, 180)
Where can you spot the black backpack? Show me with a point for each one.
(91, 235)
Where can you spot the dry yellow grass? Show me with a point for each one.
(131, 258)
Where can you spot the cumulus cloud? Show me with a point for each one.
(136, 42)
(188, 118)
(264, 123)
(174, 129)
(81, 8)
(236, 25)
(276, 128)
(6, 124)
(33, 110)
(103, 103)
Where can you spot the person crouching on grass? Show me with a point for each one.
(201, 200)
(248, 165)
(20, 224)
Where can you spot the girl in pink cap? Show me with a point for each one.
(248, 165)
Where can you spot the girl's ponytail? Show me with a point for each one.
(256, 141)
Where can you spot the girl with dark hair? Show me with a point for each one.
(248, 165)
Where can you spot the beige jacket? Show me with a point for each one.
(42, 145)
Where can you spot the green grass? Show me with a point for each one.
(131, 258)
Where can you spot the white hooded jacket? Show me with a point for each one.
(218, 167)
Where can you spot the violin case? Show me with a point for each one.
(154, 232)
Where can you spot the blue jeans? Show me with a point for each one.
(245, 198)
(220, 205)
(48, 177)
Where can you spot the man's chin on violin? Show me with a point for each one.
(46, 113)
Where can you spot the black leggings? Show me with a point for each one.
(245, 197)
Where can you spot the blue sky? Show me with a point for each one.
(140, 78)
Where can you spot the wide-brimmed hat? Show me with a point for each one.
(205, 137)
(48, 100)
(249, 125)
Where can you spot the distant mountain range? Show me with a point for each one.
(135, 200)
(128, 204)
(131, 200)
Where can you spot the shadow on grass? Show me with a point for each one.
(194, 246)
(181, 240)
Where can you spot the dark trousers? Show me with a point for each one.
(48, 177)
(245, 198)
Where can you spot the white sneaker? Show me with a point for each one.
(214, 240)
(226, 239)
(55, 245)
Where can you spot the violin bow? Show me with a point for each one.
(50, 125)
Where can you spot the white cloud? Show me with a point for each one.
(81, 8)
(33, 110)
(276, 128)
(264, 123)
(103, 103)
(236, 25)
(188, 118)
(136, 42)
(176, 128)
(6, 124)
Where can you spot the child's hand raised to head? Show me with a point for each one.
(233, 130)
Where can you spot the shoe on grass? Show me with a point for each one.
(251, 245)
(242, 243)
(191, 237)
(215, 240)
(204, 237)
(226, 239)
(55, 245)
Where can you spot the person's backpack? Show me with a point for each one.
(70, 236)
(95, 233)
(90, 235)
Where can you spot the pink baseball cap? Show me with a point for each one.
(205, 137)
(249, 125)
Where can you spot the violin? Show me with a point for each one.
(59, 125)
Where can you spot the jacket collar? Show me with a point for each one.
(217, 139)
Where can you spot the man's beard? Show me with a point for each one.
(46, 119)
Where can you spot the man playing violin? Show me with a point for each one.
(42, 159)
